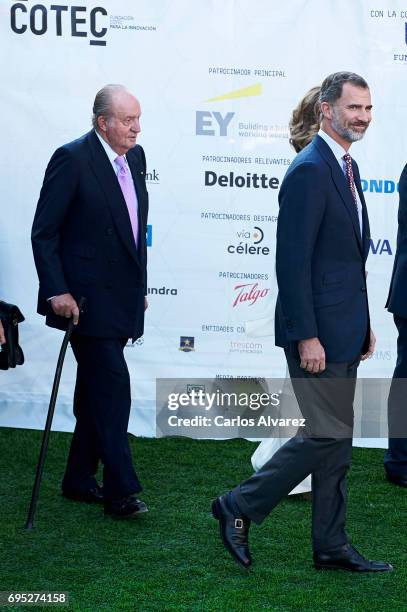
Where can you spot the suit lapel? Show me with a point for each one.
(341, 185)
(365, 217)
(138, 180)
(102, 168)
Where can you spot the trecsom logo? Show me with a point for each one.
(59, 20)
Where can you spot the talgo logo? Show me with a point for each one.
(248, 293)
(61, 20)
(212, 124)
(255, 237)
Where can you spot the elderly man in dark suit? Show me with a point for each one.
(322, 322)
(89, 239)
(395, 461)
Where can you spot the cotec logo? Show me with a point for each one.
(38, 20)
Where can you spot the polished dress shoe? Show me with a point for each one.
(125, 508)
(88, 496)
(234, 529)
(347, 558)
(401, 480)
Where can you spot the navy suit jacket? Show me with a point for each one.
(397, 299)
(83, 242)
(320, 257)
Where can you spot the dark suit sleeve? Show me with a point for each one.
(144, 165)
(302, 206)
(397, 298)
(57, 191)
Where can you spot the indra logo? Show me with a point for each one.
(249, 243)
(380, 247)
(162, 291)
(60, 20)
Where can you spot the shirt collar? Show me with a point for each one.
(109, 151)
(335, 147)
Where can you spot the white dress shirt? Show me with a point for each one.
(339, 152)
(111, 154)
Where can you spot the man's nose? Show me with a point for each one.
(135, 127)
(365, 115)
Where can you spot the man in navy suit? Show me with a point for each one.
(395, 460)
(322, 322)
(89, 239)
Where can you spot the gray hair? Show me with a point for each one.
(102, 105)
(331, 88)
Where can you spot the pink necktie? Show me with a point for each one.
(129, 193)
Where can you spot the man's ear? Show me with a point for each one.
(326, 110)
(101, 123)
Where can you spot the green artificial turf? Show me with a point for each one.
(172, 558)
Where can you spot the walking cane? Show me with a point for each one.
(45, 438)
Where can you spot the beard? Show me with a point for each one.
(347, 133)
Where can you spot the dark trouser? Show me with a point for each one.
(395, 459)
(102, 407)
(326, 407)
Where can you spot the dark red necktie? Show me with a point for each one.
(349, 175)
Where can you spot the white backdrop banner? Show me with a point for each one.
(217, 83)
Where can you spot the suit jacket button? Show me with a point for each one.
(109, 231)
(108, 286)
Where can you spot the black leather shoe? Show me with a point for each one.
(88, 496)
(234, 530)
(347, 558)
(125, 508)
(401, 481)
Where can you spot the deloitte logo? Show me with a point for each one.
(253, 247)
(60, 20)
(250, 181)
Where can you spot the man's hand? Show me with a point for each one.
(372, 344)
(2, 334)
(145, 303)
(312, 355)
(65, 306)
